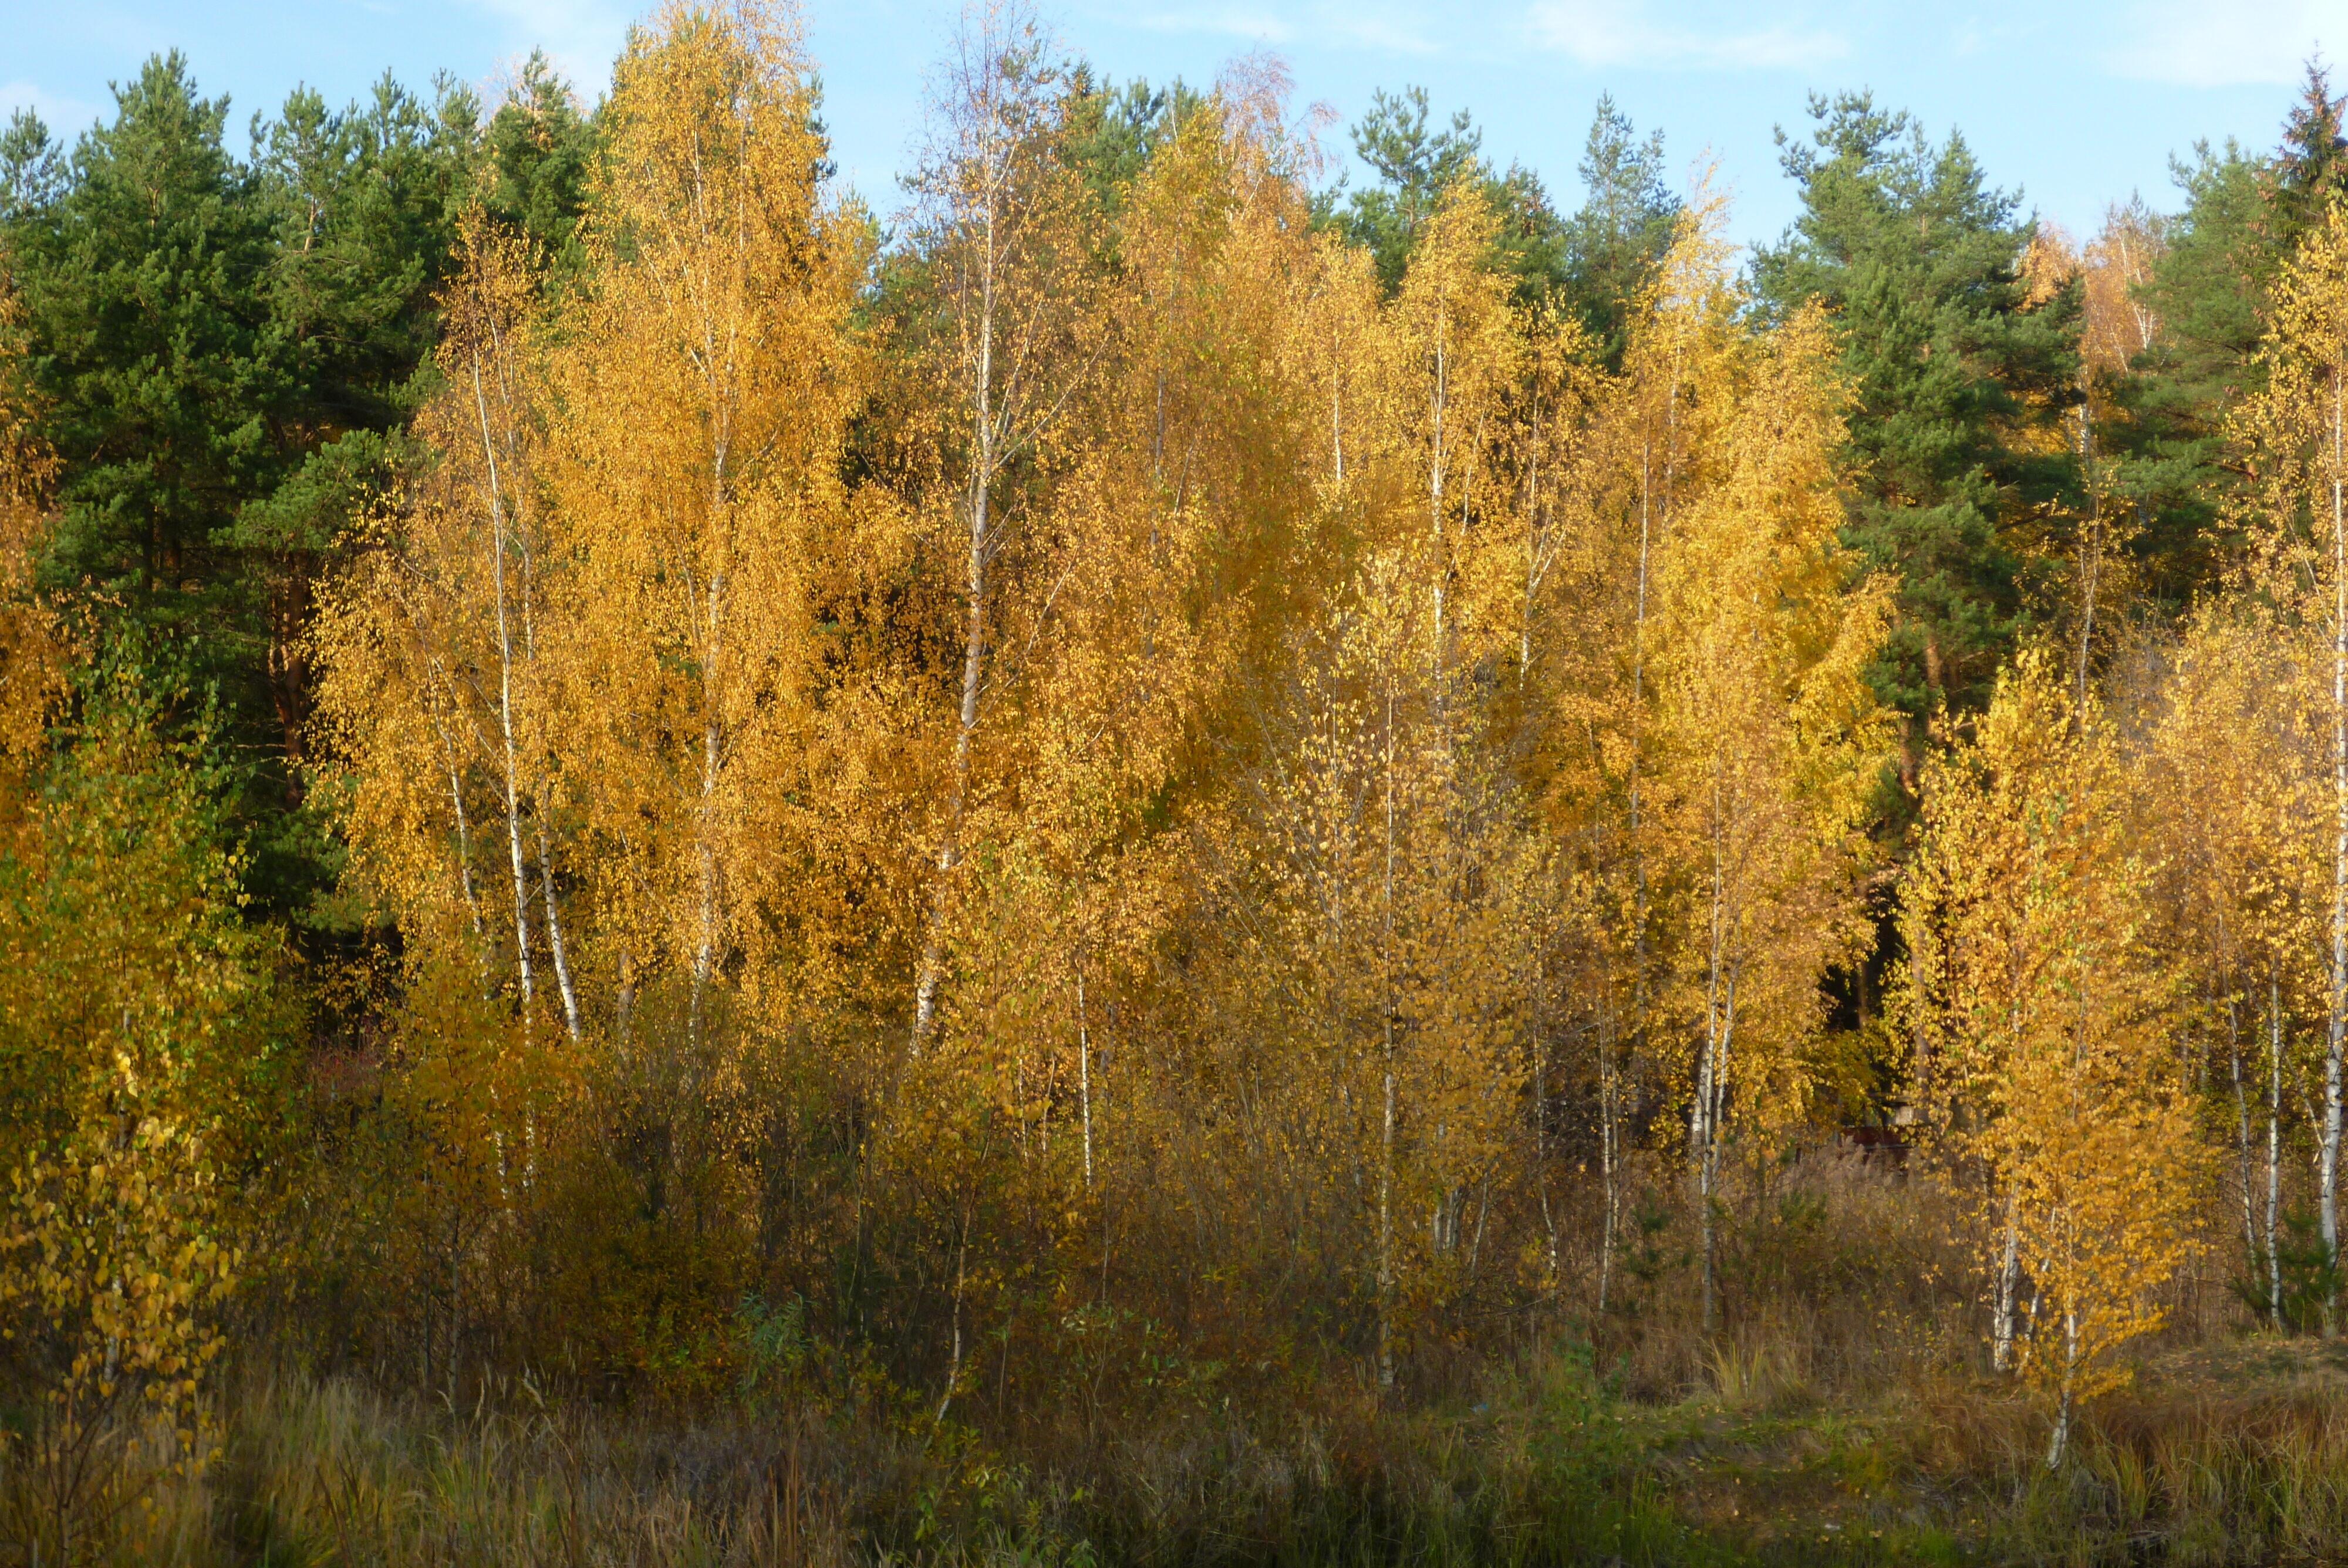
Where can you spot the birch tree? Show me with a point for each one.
(1458, 346)
(2296, 431)
(1390, 876)
(2054, 1023)
(995, 204)
(2231, 773)
(699, 400)
(431, 695)
(1772, 740)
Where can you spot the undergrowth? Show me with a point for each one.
(2237, 1455)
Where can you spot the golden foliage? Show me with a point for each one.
(131, 1013)
(2048, 1034)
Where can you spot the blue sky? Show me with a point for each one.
(2077, 104)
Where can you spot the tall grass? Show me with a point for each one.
(1548, 1465)
(1842, 1416)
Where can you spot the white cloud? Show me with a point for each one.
(66, 117)
(1346, 23)
(1369, 30)
(2229, 43)
(1620, 33)
(1230, 22)
(582, 37)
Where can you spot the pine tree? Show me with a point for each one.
(1615, 241)
(224, 351)
(2211, 293)
(143, 287)
(1415, 167)
(2207, 293)
(1959, 381)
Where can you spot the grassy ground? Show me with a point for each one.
(2230, 1453)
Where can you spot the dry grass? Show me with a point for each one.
(332, 1474)
(2222, 1454)
(1840, 1417)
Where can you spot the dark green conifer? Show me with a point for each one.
(1957, 376)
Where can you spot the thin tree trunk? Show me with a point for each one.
(954, 1366)
(1434, 492)
(529, 596)
(1538, 1106)
(2243, 1134)
(976, 508)
(1385, 1218)
(926, 990)
(624, 1003)
(1607, 1076)
(505, 694)
(1336, 407)
(715, 366)
(1703, 1129)
(1718, 1122)
(2061, 1438)
(2091, 553)
(1085, 1075)
(704, 951)
(1483, 1212)
(2274, 1144)
(1534, 535)
(2338, 1020)
(555, 930)
(2001, 1332)
(1638, 725)
(1609, 1175)
(1386, 1130)
(464, 829)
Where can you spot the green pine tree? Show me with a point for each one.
(143, 273)
(1414, 165)
(224, 351)
(1627, 220)
(1590, 265)
(2208, 292)
(539, 151)
(1958, 379)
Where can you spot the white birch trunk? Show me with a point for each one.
(554, 931)
(1084, 1076)
(2242, 1136)
(557, 951)
(954, 1366)
(704, 951)
(1434, 492)
(1607, 1078)
(1704, 1116)
(1387, 1130)
(2337, 1033)
(977, 495)
(1336, 410)
(1610, 1196)
(2060, 1439)
(714, 610)
(2274, 1144)
(464, 827)
(505, 695)
(2090, 547)
(1536, 558)
(2001, 1330)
